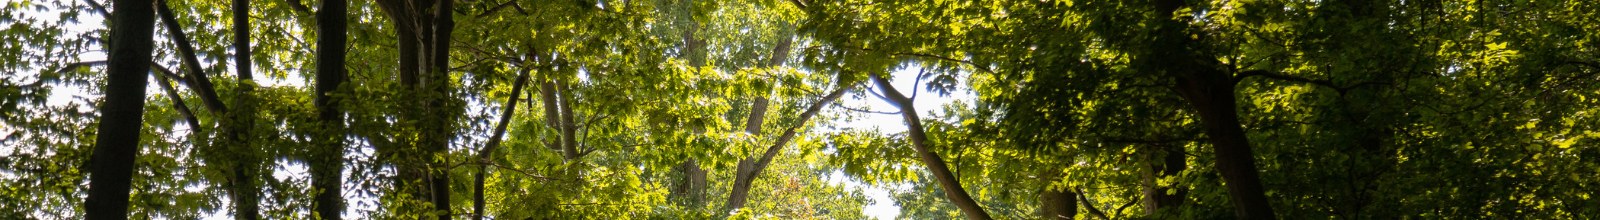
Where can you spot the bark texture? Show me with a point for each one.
(116, 143)
(247, 164)
(327, 164)
(1058, 204)
(1210, 91)
(424, 28)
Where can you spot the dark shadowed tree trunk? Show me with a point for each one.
(919, 142)
(1170, 162)
(1210, 91)
(439, 84)
(246, 165)
(424, 28)
(327, 164)
(499, 133)
(1057, 204)
(122, 114)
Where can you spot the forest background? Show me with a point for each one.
(697, 109)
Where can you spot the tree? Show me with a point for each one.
(936, 165)
(1091, 109)
(327, 161)
(121, 116)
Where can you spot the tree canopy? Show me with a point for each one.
(768, 109)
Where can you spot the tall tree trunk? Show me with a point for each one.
(1170, 162)
(744, 174)
(741, 183)
(485, 155)
(1211, 92)
(569, 126)
(246, 192)
(439, 81)
(691, 190)
(424, 28)
(919, 142)
(122, 114)
(552, 114)
(1058, 204)
(327, 164)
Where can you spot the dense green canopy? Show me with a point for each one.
(769, 109)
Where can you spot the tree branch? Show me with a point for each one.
(494, 141)
(496, 8)
(951, 184)
(743, 181)
(99, 8)
(1090, 205)
(162, 75)
(199, 83)
(864, 110)
(1273, 75)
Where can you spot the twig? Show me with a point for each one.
(864, 110)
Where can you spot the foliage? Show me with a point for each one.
(1352, 109)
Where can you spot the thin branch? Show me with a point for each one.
(1278, 76)
(1090, 205)
(968, 62)
(162, 75)
(297, 5)
(496, 8)
(71, 66)
(864, 110)
(523, 172)
(916, 86)
(1129, 204)
(798, 3)
(99, 8)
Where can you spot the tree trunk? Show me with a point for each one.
(1058, 204)
(1170, 162)
(1211, 92)
(424, 28)
(741, 183)
(552, 114)
(485, 155)
(919, 142)
(122, 113)
(327, 164)
(569, 126)
(246, 191)
(1212, 96)
(439, 82)
(691, 190)
(758, 112)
